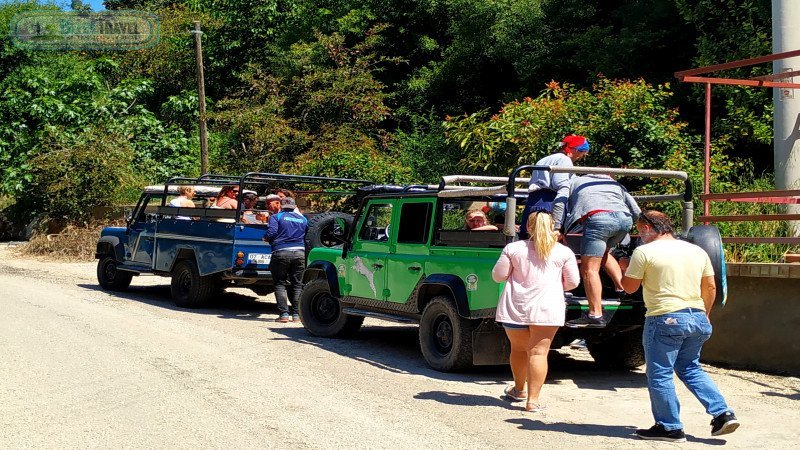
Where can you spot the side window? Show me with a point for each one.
(454, 213)
(377, 223)
(415, 220)
(147, 206)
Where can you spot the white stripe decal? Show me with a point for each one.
(193, 238)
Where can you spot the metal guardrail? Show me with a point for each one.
(450, 186)
(789, 197)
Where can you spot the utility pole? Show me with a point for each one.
(201, 92)
(786, 37)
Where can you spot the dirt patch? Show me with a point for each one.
(74, 243)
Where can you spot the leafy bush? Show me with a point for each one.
(425, 151)
(348, 153)
(74, 173)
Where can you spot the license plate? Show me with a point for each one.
(259, 258)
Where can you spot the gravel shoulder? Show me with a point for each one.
(81, 367)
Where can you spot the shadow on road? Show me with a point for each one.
(396, 348)
(576, 429)
(460, 399)
(390, 347)
(229, 305)
(592, 429)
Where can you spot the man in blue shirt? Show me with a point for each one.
(286, 234)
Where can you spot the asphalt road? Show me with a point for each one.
(80, 367)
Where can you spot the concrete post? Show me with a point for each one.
(786, 37)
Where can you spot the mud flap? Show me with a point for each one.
(490, 346)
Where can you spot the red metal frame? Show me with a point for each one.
(785, 196)
(691, 76)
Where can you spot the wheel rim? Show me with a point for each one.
(325, 309)
(185, 282)
(110, 271)
(443, 334)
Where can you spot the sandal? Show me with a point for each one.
(534, 407)
(513, 395)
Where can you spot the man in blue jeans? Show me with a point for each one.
(286, 234)
(679, 291)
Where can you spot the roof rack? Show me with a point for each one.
(685, 197)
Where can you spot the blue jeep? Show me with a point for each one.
(205, 249)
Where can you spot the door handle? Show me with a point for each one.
(377, 266)
(414, 268)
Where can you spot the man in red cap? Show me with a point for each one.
(544, 185)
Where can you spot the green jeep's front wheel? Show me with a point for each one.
(445, 338)
(321, 312)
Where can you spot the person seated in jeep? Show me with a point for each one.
(249, 213)
(283, 193)
(227, 197)
(183, 200)
(476, 220)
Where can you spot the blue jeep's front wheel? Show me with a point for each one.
(110, 277)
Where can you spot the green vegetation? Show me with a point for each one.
(389, 90)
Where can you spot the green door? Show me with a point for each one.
(366, 266)
(406, 263)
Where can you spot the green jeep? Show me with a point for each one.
(407, 257)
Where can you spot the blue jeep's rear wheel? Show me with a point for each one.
(189, 289)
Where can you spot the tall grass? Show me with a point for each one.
(762, 228)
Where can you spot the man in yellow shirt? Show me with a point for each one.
(679, 290)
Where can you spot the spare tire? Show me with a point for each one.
(708, 238)
(328, 229)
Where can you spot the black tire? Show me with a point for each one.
(445, 338)
(623, 351)
(321, 312)
(708, 238)
(188, 288)
(109, 277)
(328, 229)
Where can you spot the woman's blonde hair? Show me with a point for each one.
(540, 227)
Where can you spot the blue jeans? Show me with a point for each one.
(604, 230)
(672, 343)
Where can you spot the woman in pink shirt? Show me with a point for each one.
(531, 308)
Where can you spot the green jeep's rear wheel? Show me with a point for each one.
(445, 338)
(321, 312)
(622, 351)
